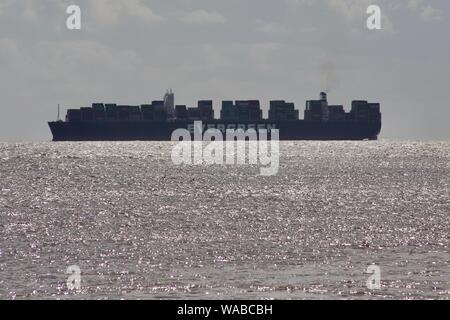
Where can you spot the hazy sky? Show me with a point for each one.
(131, 51)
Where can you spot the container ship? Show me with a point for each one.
(158, 120)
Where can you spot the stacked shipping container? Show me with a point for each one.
(238, 111)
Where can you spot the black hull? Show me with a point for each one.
(162, 131)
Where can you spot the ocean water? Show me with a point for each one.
(140, 227)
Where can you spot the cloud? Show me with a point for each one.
(257, 57)
(203, 17)
(349, 9)
(26, 8)
(425, 10)
(215, 57)
(111, 12)
(79, 54)
(9, 52)
(270, 27)
(4, 5)
(132, 50)
(262, 54)
(65, 63)
(353, 11)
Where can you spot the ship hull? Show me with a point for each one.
(162, 130)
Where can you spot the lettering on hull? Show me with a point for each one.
(223, 127)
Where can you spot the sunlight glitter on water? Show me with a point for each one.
(140, 227)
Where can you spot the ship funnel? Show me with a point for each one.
(325, 108)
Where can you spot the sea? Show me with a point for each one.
(119, 220)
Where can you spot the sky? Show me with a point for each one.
(132, 51)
